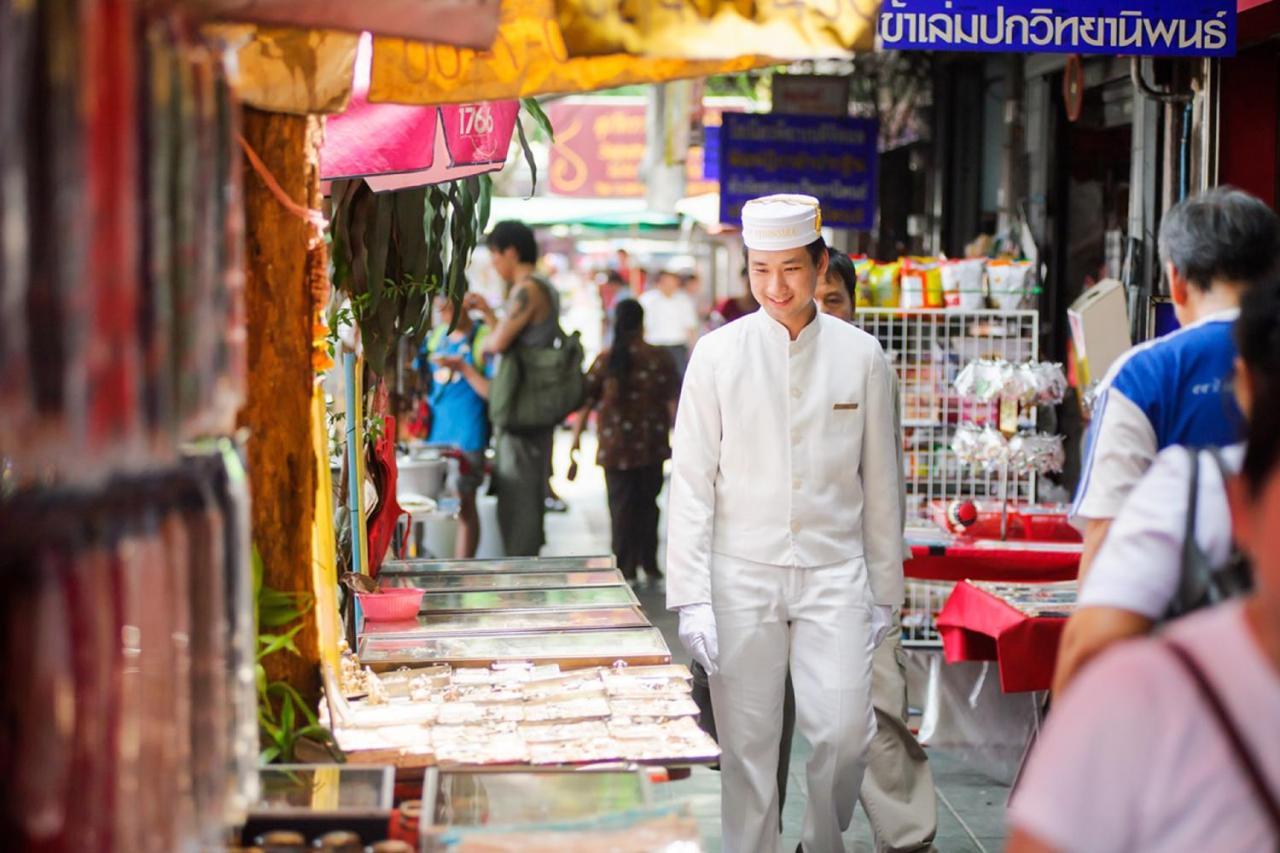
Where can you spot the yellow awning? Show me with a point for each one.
(528, 57)
(717, 29)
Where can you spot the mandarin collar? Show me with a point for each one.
(777, 331)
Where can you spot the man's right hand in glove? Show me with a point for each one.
(698, 635)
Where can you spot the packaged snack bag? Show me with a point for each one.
(962, 283)
(921, 283)
(862, 265)
(885, 284)
(1010, 283)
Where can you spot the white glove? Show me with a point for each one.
(881, 622)
(698, 634)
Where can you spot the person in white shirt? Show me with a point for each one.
(670, 319)
(1169, 743)
(1136, 573)
(784, 542)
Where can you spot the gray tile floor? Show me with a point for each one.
(970, 804)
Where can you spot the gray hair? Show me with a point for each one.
(1222, 234)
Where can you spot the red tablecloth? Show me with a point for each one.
(987, 560)
(976, 625)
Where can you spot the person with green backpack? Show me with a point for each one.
(458, 369)
(537, 382)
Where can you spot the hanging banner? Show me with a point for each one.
(717, 29)
(394, 146)
(810, 94)
(1131, 28)
(600, 147)
(528, 57)
(832, 159)
(467, 22)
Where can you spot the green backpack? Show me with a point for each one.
(538, 387)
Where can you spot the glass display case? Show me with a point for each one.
(314, 799)
(506, 565)
(510, 622)
(479, 797)
(639, 646)
(529, 599)
(451, 582)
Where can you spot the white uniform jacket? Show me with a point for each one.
(785, 453)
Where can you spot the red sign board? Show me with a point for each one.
(600, 147)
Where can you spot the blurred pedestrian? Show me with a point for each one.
(522, 460)
(671, 319)
(1169, 742)
(633, 387)
(1173, 390)
(459, 388)
(735, 307)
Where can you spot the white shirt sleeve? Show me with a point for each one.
(1122, 445)
(1139, 565)
(881, 473)
(695, 464)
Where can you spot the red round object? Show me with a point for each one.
(961, 514)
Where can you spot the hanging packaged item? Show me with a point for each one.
(862, 269)
(921, 285)
(962, 283)
(1011, 283)
(884, 283)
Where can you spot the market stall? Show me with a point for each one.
(1018, 625)
(521, 662)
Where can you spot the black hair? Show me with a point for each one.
(1257, 334)
(628, 320)
(840, 266)
(1223, 233)
(511, 233)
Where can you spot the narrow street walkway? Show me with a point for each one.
(970, 805)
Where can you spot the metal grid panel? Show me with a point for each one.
(920, 612)
(928, 348)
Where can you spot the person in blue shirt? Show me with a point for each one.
(1176, 389)
(459, 390)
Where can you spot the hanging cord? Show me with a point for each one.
(313, 217)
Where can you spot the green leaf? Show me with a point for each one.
(379, 244)
(528, 158)
(287, 718)
(534, 109)
(269, 755)
(483, 203)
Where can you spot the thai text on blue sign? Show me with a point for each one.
(831, 159)
(1141, 28)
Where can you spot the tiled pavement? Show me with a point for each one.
(970, 804)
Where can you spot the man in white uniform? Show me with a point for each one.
(784, 540)
(670, 319)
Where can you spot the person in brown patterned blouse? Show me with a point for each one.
(633, 385)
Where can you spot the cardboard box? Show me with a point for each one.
(1099, 322)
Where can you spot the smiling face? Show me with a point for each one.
(784, 282)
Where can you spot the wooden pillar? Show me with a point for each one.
(279, 301)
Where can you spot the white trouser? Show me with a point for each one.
(819, 620)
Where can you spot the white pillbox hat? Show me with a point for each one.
(777, 222)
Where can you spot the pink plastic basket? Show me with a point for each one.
(390, 605)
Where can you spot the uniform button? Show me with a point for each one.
(795, 527)
(796, 392)
(795, 484)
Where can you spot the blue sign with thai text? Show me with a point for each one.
(1121, 27)
(831, 159)
(711, 153)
